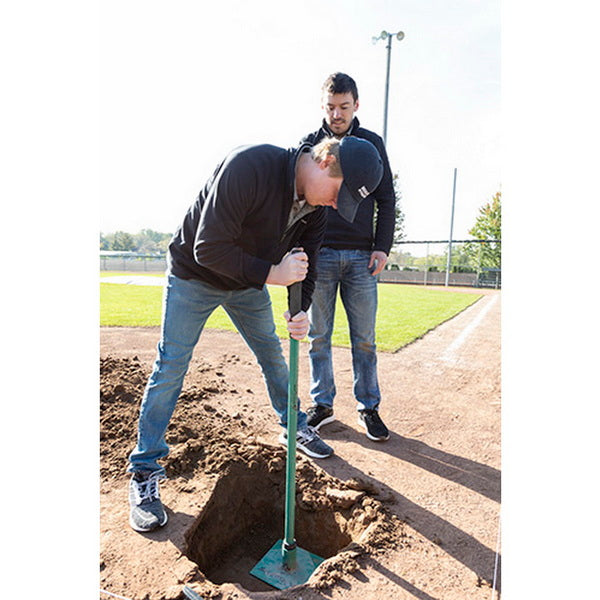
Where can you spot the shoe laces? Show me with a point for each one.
(147, 490)
(309, 434)
(372, 415)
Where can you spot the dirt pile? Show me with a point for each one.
(243, 515)
(438, 475)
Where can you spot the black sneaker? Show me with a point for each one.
(319, 415)
(371, 421)
(147, 512)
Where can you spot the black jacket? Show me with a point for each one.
(360, 235)
(236, 228)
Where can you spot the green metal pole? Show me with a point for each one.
(285, 564)
(289, 542)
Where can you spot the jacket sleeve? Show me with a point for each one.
(385, 199)
(311, 138)
(228, 199)
(310, 239)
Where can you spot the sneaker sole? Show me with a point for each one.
(299, 446)
(325, 421)
(146, 529)
(372, 437)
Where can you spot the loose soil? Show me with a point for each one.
(414, 517)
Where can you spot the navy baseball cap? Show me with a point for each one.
(362, 169)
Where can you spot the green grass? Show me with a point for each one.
(405, 313)
(408, 312)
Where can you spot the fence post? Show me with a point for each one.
(451, 228)
(426, 264)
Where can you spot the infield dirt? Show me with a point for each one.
(414, 517)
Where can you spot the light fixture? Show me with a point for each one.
(384, 35)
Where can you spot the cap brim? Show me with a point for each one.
(347, 204)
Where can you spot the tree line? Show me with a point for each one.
(147, 241)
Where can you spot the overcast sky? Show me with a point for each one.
(184, 82)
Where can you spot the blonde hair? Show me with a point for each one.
(328, 147)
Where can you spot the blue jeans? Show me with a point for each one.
(187, 304)
(348, 270)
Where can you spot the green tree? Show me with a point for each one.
(488, 226)
(146, 241)
(463, 260)
(149, 241)
(122, 241)
(399, 227)
(163, 245)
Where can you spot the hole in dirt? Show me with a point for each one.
(244, 517)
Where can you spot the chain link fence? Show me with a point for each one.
(132, 261)
(471, 263)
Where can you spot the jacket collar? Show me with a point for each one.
(353, 127)
(293, 155)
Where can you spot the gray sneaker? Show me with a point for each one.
(147, 512)
(309, 442)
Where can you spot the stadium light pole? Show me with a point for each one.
(384, 35)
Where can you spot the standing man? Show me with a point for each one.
(351, 256)
(261, 202)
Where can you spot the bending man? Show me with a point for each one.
(260, 202)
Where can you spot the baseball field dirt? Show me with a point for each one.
(414, 517)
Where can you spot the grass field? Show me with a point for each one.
(405, 312)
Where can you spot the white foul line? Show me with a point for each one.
(134, 280)
(448, 355)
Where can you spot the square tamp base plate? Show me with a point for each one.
(272, 570)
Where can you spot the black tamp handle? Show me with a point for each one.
(295, 294)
